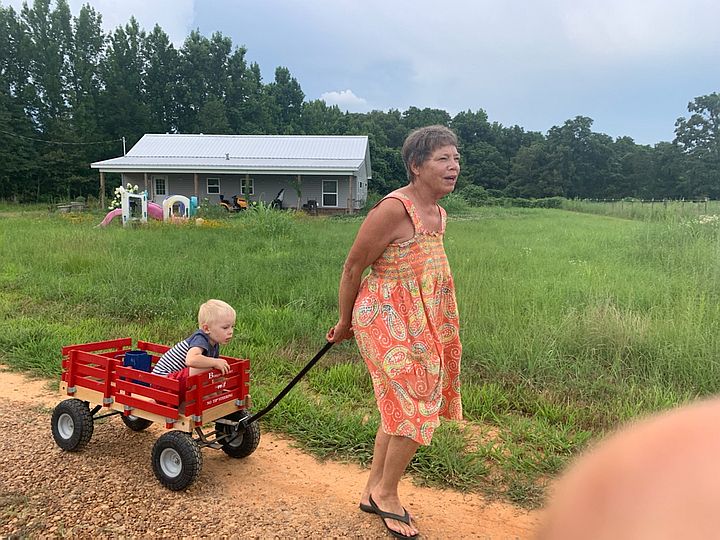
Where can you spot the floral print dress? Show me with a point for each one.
(406, 325)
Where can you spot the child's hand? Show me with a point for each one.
(222, 365)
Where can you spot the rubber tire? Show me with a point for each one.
(135, 422)
(245, 444)
(72, 424)
(176, 460)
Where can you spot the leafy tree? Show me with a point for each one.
(50, 38)
(286, 99)
(252, 111)
(483, 165)
(161, 81)
(472, 127)
(212, 118)
(123, 111)
(698, 137)
(414, 118)
(536, 172)
(700, 133)
(319, 119)
(18, 170)
(192, 88)
(666, 177)
(632, 174)
(583, 158)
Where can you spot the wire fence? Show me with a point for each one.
(651, 209)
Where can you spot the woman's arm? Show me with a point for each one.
(388, 222)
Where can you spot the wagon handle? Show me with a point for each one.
(250, 419)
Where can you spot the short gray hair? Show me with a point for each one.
(421, 143)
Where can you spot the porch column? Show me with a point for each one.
(102, 190)
(196, 182)
(146, 182)
(245, 188)
(299, 192)
(351, 205)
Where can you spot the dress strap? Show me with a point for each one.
(409, 208)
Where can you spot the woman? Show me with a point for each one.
(404, 317)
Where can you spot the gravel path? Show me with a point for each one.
(109, 491)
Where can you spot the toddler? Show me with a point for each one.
(200, 351)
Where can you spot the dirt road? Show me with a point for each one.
(108, 490)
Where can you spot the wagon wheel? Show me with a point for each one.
(245, 442)
(176, 460)
(72, 424)
(135, 422)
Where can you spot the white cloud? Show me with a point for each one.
(346, 100)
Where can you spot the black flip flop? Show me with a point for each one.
(389, 515)
(367, 508)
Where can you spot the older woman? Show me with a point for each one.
(404, 317)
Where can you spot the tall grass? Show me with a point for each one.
(571, 323)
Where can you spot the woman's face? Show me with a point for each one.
(440, 171)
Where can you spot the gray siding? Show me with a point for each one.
(266, 188)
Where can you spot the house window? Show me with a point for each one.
(160, 186)
(251, 186)
(330, 193)
(213, 186)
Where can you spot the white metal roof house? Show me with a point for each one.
(333, 171)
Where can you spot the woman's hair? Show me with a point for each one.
(212, 310)
(421, 143)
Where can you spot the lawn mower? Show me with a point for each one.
(236, 205)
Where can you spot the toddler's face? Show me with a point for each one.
(221, 329)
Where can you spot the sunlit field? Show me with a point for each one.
(572, 323)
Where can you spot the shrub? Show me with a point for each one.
(454, 204)
(372, 199)
(550, 202)
(474, 194)
(206, 210)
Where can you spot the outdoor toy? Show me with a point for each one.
(111, 375)
(126, 204)
(187, 208)
(152, 209)
(180, 202)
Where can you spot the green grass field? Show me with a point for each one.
(572, 323)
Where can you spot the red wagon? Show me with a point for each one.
(98, 379)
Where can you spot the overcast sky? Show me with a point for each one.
(630, 65)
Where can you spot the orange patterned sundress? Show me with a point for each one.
(406, 325)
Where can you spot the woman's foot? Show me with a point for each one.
(396, 519)
(365, 505)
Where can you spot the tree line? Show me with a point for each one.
(71, 94)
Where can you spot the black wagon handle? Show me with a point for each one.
(255, 417)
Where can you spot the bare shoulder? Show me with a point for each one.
(388, 208)
(388, 222)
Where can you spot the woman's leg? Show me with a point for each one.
(391, 456)
(378, 464)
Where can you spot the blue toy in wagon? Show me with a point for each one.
(111, 376)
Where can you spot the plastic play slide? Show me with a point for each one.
(155, 211)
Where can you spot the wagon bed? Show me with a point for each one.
(96, 376)
(94, 372)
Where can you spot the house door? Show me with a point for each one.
(159, 189)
